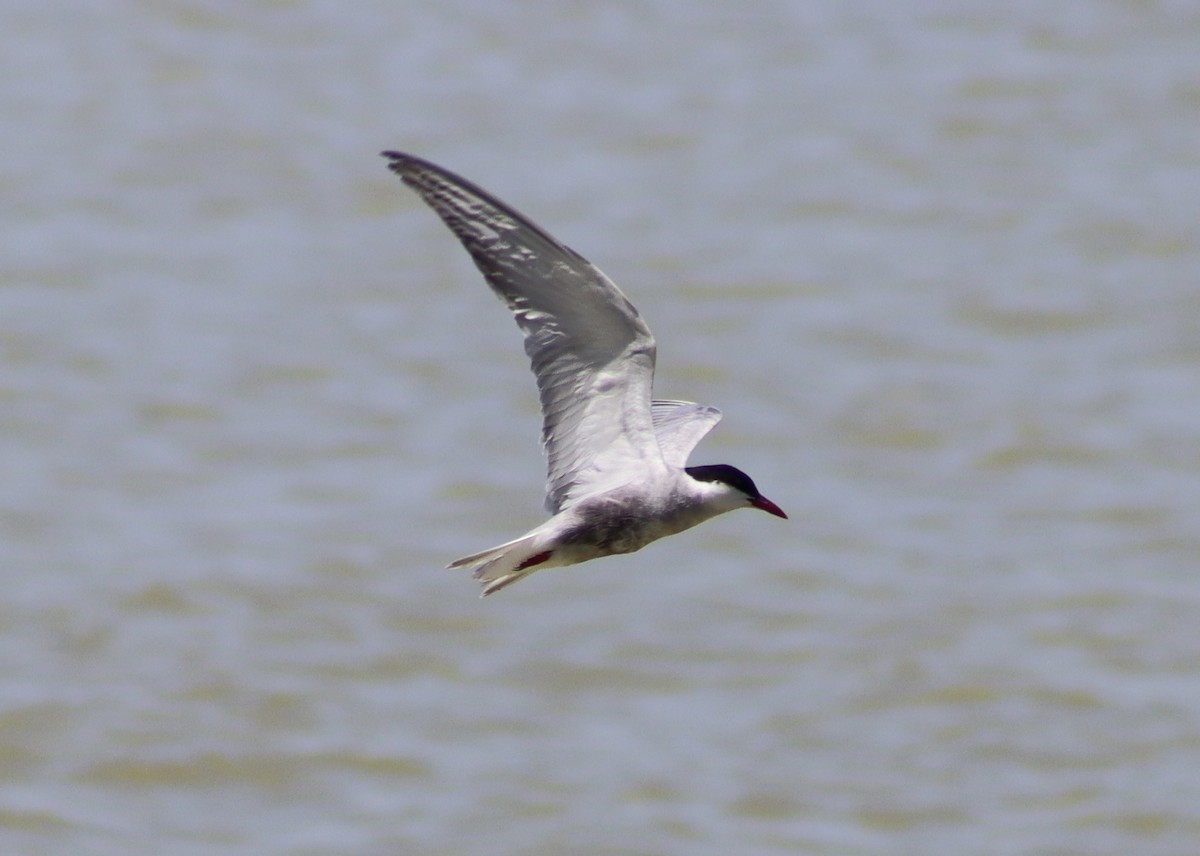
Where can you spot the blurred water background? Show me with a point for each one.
(937, 261)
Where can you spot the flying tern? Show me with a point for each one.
(617, 460)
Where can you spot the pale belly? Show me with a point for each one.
(606, 526)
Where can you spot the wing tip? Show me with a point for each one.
(398, 162)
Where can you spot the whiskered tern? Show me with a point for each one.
(617, 459)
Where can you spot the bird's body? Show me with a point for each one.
(617, 476)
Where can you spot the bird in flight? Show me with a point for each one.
(617, 459)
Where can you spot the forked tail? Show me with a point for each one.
(504, 565)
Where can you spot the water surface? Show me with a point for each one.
(937, 264)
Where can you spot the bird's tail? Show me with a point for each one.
(504, 565)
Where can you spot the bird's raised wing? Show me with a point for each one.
(591, 353)
(679, 426)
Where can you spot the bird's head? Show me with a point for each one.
(738, 486)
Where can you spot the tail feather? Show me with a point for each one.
(483, 556)
(504, 565)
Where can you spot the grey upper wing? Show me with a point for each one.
(591, 353)
(679, 426)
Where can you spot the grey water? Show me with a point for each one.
(937, 263)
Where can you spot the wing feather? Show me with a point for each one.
(590, 351)
(679, 426)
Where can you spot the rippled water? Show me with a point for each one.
(937, 262)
